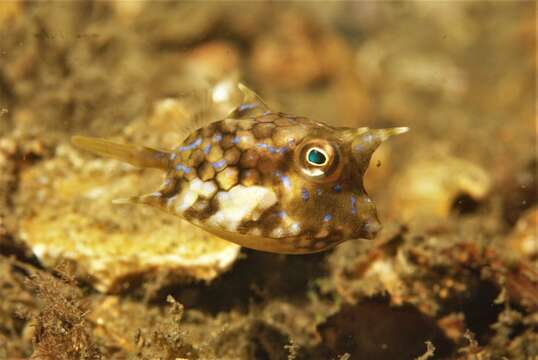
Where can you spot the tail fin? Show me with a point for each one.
(140, 156)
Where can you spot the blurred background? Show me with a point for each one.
(457, 194)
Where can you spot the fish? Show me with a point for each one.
(265, 180)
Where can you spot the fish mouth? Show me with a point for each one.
(371, 228)
(367, 229)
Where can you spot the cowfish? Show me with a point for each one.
(265, 180)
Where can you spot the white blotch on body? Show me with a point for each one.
(239, 204)
(208, 190)
(286, 229)
(185, 200)
(295, 229)
(188, 196)
(277, 232)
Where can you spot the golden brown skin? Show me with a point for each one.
(265, 180)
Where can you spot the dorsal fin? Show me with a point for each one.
(202, 108)
(252, 104)
(211, 104)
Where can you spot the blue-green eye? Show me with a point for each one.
(316, 157)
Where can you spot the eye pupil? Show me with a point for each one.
(316, 157)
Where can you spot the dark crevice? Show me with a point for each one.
(254, 278)
(481, 311)
(10, 248)
(268, 343)
(373, 329)
(464, 204)
(478, 306)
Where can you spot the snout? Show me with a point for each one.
(371, 228)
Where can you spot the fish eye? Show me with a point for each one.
(318, 160)
(316, 156)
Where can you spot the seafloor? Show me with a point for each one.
(453, 274)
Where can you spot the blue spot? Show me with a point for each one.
(217, 137)
(327, 217)
(337, 187)
(273, 149)
(245, 107)
(185, 169)
(281, 214)
(190, 146)
(319, 191)
(285, 180)
(359, 147)
(236, 140)
(353, 205)
(219, 164)
(305, 194)
(207, 148)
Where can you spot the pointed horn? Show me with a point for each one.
(384, 134)
(367, 141)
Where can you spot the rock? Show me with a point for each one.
(67, 213)
(523, 240)
(433, 185)
(213, 60)
(298, 53)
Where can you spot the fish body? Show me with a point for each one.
(265, 180)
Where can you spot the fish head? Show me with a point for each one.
(322, 191)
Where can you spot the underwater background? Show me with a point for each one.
(452, 275)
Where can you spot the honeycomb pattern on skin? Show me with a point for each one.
(264, 180)
(258, 152)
